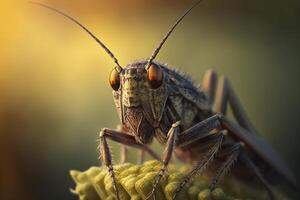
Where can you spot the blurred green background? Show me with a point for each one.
(55, 95)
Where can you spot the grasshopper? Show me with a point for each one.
(154, 100)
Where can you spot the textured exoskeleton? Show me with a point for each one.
(156, 101)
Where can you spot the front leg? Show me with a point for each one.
(216, 139)
(106, 159)
(167, 155)
(124, 139)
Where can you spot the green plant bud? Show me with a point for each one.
(135, 182)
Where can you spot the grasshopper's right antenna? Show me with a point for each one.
(169, 33)
(118, 67)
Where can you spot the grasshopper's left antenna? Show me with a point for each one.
(118, 67)
(169, 33)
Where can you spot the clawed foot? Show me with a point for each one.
(151, 195)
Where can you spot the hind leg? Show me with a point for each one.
(214, 141)
(224, 95)
(252, 167)
(231, 154)
(209, 83)
(227, 95)
(250, 139)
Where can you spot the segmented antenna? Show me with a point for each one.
(169, 33)
(119, 68)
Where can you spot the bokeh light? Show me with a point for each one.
(55, 95)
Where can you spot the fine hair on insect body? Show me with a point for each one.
(154, 100)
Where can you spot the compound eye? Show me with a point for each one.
(154, 76)
(114, 79)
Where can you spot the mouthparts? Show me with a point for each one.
(138, 124)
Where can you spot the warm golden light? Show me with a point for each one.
(54, 95)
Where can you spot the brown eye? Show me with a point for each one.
(155, 76)
(114, 79)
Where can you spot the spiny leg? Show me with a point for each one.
(226, 95)
(170, 145)
(107, 161)
(250, 139)
(209, 83)
(251, 166)
(204, 162)
(122, 138)
(128, 140)
(258, 145)
(199, 130)
(233, 153)
(219, 121)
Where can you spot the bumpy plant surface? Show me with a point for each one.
(135, 182)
